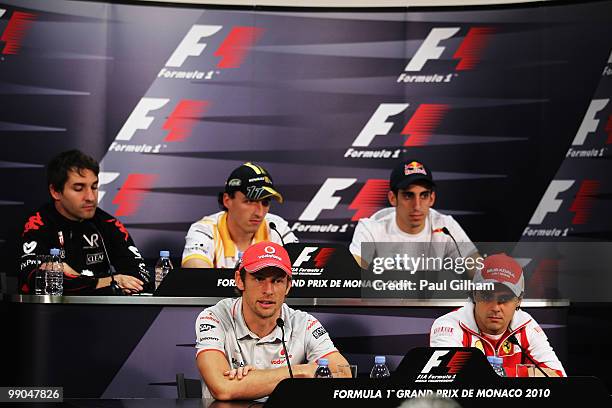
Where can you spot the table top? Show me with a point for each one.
(201, 301)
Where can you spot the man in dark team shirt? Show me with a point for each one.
(92, 242)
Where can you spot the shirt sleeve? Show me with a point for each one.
(362, 235)
(541, 350)
(34, 242)
(317, 341)
(209, 333)
(288, 235)
(445, 333)
(199, 243)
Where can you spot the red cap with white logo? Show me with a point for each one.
(264, 255)
(501, 268)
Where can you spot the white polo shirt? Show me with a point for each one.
(222, 328)
(382, 227)
(209, 240)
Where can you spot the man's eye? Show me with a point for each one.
(265, 203)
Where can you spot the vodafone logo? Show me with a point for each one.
(468, 54)
(231, 52)
(16, 29)
(557, 193)
(269, 250)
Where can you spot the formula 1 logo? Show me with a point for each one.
(468, 54)
(15, 31)
(231, 53)
(416, 131)
(443, 373)
(318, 263)
(370, 198)
(131, 194)
(551, 203)
(179, 124)
(591, 123)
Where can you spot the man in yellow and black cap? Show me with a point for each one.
(218, 240)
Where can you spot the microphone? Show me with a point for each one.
(273, 228)
(280, 323)
(447, 232)
(515, 341)
(114, 286)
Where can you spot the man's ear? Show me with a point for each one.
(56, 195)
(433, 198)
(238, 280)
(392, 198)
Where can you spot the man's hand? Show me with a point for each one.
(238, 372)
(304, 370)
(127, 283)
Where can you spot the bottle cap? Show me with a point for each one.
(380, 360)
(54, 251)
(323, 362)
(495, 360)
(165, 254)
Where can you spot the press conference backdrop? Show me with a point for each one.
(509, 106)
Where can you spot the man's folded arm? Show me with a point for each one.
(258, 383)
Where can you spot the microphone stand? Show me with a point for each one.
(515, 341)
(280, 323)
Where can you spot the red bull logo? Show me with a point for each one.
(414, 168)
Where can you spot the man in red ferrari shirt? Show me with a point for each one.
(493, 316)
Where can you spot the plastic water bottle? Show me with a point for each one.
(40, 274)
(498, 365)
(162, 267)
(54, 276)
(323, 369)
(380, 369)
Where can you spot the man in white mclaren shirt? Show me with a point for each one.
(218, 240)
(421, 230)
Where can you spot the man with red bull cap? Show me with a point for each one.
(410, 220)
(493, 315)
(238, 342)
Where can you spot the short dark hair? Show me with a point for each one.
(231, 194)
(422, 183)
(71, 160)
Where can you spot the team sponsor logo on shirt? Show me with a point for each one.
(507, 347)
(209, 317)
(208, 338)
(319, 332)
(206, 327)
(443, 331)
(29, 247)
(311, 323)
(34, 223)
(94, 258)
